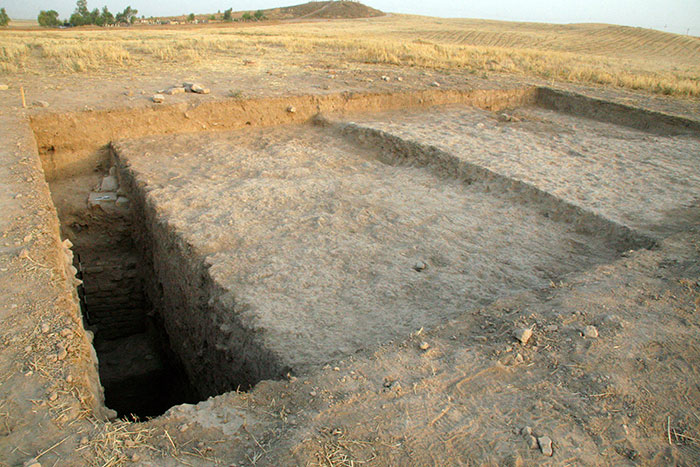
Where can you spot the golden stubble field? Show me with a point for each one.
(600, 54)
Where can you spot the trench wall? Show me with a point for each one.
(218, 352)
(75, 142)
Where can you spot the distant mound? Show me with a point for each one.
(325, 10)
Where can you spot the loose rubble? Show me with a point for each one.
(590, 332)
(523, 335)
(545, 444)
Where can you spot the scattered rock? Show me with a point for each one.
(69, 379)
(312, 393)
(399, 79)
(291, 109)
(591, 332)
(53, 396)
(419, 266)
(175, 90)
(129, 93)
(545, 444)
(504, 117)
(526, 431)
(158, 98)
(41, 104)
(135, 458)
(62, 353)
(67, 333)
(386, 78)
(519, 358)
(122, 201)
(435, 84)
(424, 346)
(45, 328)
(199, 89)
(523, 335)
(532, 442)
(551, 328)
(31, 463)
(4, 87)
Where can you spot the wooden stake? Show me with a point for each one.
(24, 102)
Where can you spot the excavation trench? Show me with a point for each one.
(212, 261)
(139, 371)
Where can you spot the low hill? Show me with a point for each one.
(328, 10)
(345, 9)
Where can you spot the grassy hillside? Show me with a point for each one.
(632, 58)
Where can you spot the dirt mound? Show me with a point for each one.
(328, 10)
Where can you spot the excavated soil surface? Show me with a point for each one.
(320, 248)
(633, 177)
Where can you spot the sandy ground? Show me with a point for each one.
(626, 397)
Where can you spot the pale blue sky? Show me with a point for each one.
(679, 16)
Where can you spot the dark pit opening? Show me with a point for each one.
(142, 376)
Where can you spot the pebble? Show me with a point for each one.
(551, 328)
(419, 266)
(590, 332)
(67, 333)
(158, 98)
(69, 379)
(386, 78)
(532, 442)
(175, 90)
(4, 87)
(424, 346)
(399, 79)
(199, 89)
(291, 109)
(526, 431)
(523, 335)
(135, 458)
(435, 84)
(45, 328)
(41, 104)
(62, 353)
(53, 396)
(545, 444)
(31, 463)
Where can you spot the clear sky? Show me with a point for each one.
(679, 16)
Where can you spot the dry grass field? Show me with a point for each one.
(624, 57)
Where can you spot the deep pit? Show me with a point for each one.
(212, 261)
(140, 373)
